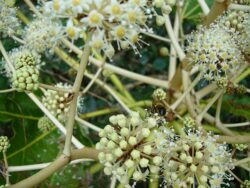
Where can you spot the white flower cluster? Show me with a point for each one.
(9, 24)
(133, 147)
(215, 51)
(58, 102)
(128, 148)
(42, 34)
(197, 159)
(107, 20)
(4, 143)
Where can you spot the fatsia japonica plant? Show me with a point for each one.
(115, 93)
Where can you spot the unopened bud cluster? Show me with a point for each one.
(4, 143)
(57, 102)
(189, 122)
(45, 124)
(159, 94)
(126, 147)
(241, 147)
(26, 76)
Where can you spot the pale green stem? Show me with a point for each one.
(7, 168)
(217, 118)
(7, 90)
(118, 70)
(45, 86)
(180, 99)
(164, 39)
(211, 102)
(40, 166)
(237, 139)
(242, 161)
(73, 104)
(171, 34)
(173, 59)
(204, 6)
(87, 124)
(233, 6)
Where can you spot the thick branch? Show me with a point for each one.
(60, 162)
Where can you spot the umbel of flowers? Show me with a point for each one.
(57, 102)
(127, 148)
(9, 24)
(196, 158)
(215, 51)
(107, 21)
(4, 143)
(26, 75)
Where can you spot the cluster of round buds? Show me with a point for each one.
(234, 19)
(159, 94)
(9, 24)
(107, 21)
(241, 147)
(26, 78)
(57, 102)
(222, 83)
(44, 124)
(242, 2)
(127, 147)
(42, 34)
(246, 184)
(217, 55)
(196, 158)
(4, 143)
(188, 122)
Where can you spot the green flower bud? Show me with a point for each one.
(25, 60)
(26, 78)
(159, 94)
(4, 143)
(44, 124)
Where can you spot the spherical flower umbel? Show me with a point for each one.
(26, 78)
(126, 146)
(107, 21)
(197, 159)
(45, 124)
(43, 34)
(4, 143)
(58, 102)
(214, 50)
(159, 94)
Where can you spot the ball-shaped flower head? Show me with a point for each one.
(25, 60)
(4, 143)
(215, 51)
(57, 102)
(159, 94)
(45, 124)
(26, 79)
(108, 21)
(246, 184)
(196, 159)
(127, 147)
(42, 34)
(9, 23)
